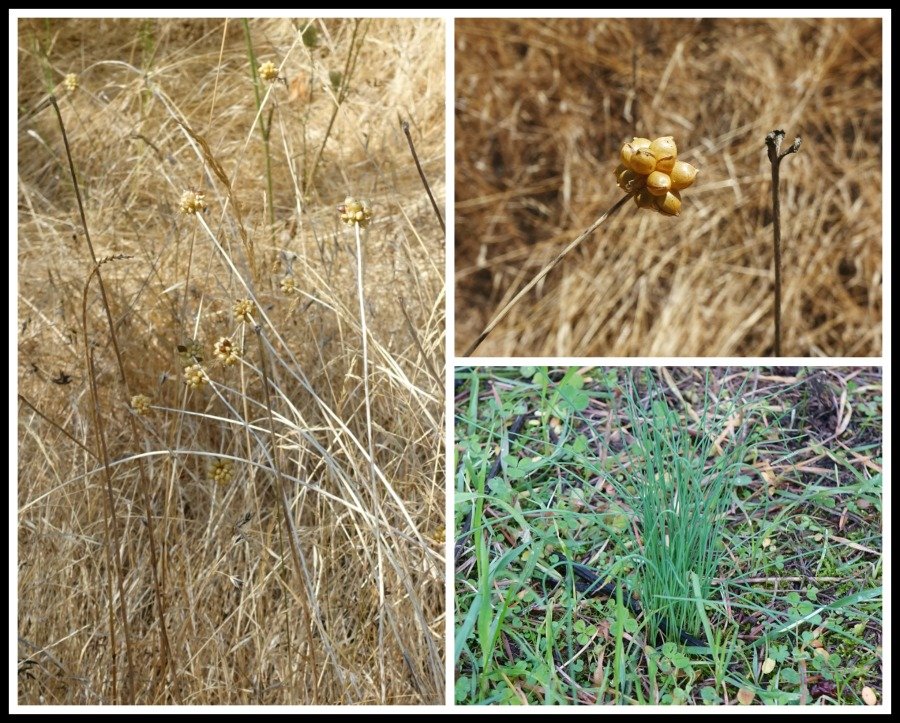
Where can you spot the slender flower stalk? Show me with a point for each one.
(358, 214)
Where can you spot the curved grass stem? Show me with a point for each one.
(542, 273)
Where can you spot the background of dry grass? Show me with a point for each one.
(542, 109)
(245, 623)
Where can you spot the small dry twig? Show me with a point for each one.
(412, 149)
(773, 143)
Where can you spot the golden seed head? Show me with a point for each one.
(195, 377)
(355, 211)
(652, 172)
(190, 352)
(140, 403)
(268, 71)
(658, 183)
(244, 309)
(191, 202)
(226, 351)
(70, 82)
(670, 204)
(683, 175)
(221, 471)
(289, 285)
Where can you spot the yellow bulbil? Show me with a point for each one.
(670, 204)
(643, 162)
(658, 183)
(632, 147)
(683, 175)
(665, 152)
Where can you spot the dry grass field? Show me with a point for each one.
(272, 534)
(542, 109)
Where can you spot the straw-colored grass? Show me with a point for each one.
(315, 574)
(542, 109)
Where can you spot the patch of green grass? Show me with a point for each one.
(744, 506)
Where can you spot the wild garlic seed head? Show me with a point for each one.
(652, 172)
(226, 351)
(195, 377)
(191, 202)
(289, 285)
(221, 471)
(268, 71)
(244, 309)
(355, 211)
(140, 403)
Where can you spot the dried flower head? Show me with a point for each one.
(226, 351)
(70, 82)
(191, 202)
(221, 471)
(289, 285)
(268, 71)
(195, 377)
(244, 309)
(650, 170)
(355, 212)
(191, 352)
(140, 403)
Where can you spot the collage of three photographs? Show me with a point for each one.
(441, 362)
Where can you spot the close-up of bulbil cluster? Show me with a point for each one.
(652, 172)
